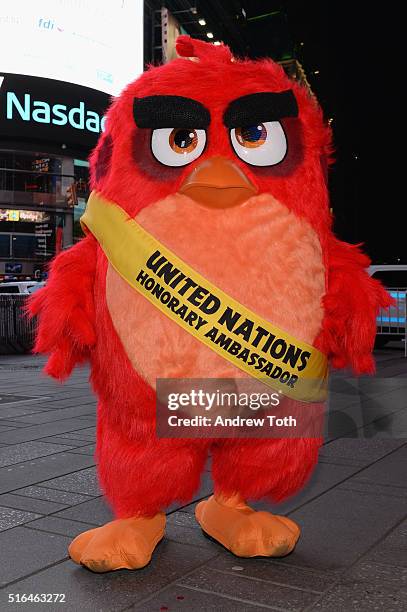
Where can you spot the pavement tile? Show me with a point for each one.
(366, 384)
(5, 428)
(324, 477)
(361, 451)
(54, 404)
(392, 426)
(369, 409)
(345, 392)
(354, 596)
(398, 535)
(77, 399)
(31, 472)
(42, 431)
(377, 573)
(27, 551)
(394, 367)
(340, 526)
(113, 591)
(9, 517)
(341, 424)
(392, 550)
(273, 571)
(39, 506)
(342, 397)
(179, 599)
(391, 470)
(70, 441)
(248, 590)
(373, 488)
(16, 453)
(90, 449)
(337, 460)
(85, 481)
(85, 434)
(390, 400)
(389, 555)
(63, 497)
(192, 536)
(8, 398)
(56, 415)
(188, 509)
(95, 512)
(60, 526)
(183, 519)
(10, 412)
(11, 423)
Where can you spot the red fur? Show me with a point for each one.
(66, 310)
(274, 468)
(146, 474)
(139, 473)
(351, 305)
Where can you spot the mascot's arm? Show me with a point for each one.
(351, 305)
(65, 310)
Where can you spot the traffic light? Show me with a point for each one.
(71, 197)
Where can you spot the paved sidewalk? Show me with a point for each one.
(352, 554)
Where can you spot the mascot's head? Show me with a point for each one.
(218, 130)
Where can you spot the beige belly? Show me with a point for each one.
(259, 253)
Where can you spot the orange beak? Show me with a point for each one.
(218, 183)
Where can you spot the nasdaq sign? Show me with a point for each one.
(63, 114)
(40, 111)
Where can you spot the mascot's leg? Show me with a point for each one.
(255, 468)
(140, 479)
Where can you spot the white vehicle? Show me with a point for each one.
(18, 287)
(35, 287)
(391, 322)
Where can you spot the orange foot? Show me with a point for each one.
(121, 544)
(245, 532)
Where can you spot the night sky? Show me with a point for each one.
(356, 47)
(358, 53)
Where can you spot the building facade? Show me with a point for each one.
(47, 130)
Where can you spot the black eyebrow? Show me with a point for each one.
(170, 112)
(259, 108)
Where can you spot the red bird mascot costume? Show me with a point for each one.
(224, 162)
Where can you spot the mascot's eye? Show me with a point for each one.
(177, 146)
(264, 144)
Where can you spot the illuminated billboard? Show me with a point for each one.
(33, 109)
(93, 43)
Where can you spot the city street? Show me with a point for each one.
(352, 554)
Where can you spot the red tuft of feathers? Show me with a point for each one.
(191, 47)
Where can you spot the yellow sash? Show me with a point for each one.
(252, 344)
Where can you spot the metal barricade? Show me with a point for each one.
(16, 329)
(392, 322)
